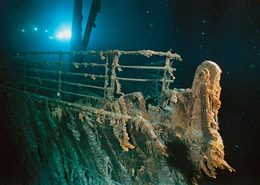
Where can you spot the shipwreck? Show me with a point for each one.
(114, 119)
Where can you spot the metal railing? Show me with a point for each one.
(101, 75)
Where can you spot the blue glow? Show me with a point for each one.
(35, 29)
(46, 31)
(23, 30)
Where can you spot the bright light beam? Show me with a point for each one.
(60, 35)
(66, 34)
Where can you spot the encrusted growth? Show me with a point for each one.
(119, 123)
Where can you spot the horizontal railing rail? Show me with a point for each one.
(51, 74)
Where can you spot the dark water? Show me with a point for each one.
(227, 32)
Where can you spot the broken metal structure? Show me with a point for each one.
(117, 121)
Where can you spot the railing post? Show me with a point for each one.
(24, 70)
(169, 73)
(113, 76)
(106, 89)
(165, 75)
(59, 83)
(1, 66)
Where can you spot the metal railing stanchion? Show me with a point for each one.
(60, 68)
